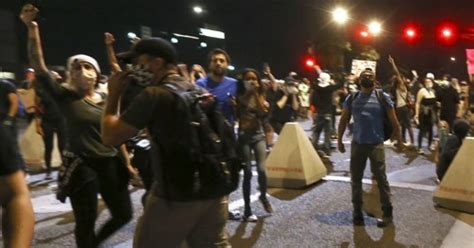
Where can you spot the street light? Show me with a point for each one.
(203, 44)
(231, 68)
(375, 28)
(340, 15)
(453, 59)
(197, 9)
(174, 40)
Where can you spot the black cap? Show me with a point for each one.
(156, 47)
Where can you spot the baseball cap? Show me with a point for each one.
(156, 47)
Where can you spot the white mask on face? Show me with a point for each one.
(250, 85)
(84, 79)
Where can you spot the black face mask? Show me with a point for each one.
(367, 83)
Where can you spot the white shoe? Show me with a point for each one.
(421, 152)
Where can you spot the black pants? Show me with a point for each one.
(111, 182)
(49, 128)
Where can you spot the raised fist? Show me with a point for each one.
(28, 13)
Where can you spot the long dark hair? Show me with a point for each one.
(240, 83)
(260, 91)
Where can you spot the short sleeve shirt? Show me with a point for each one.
(223, 91)
(155, 109)
(368, 114)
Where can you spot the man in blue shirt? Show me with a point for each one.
(224, 90)
(367, 142)
(222, 87)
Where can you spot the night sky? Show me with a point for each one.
(257, 31)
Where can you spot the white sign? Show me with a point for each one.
(359, 65)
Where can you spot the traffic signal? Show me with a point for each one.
(309, 62)
(447, 33)
(411, 33)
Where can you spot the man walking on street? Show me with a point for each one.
(368, 108)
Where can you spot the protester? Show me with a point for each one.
(450, 149)
(223, 88)
(169, 217)
(425, 113)
(17, 212)
(197, 73)
(402, 100)
(91, 167)
(217, 83)
(304, 97)
(368, 110)
(286, 105)
(449, 99)
(252, 111)
(29, 78)
(322, 100)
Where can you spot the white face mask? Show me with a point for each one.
(250, 85)
(84, 79)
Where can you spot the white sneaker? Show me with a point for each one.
(421, 152)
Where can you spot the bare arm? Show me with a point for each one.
(294, 103)
(345, 116)
(35, 51)
(395, 125)
(395, 68)
(109, 46)
(13, 99)
(115, 131)
(419, 97)
(281, 103)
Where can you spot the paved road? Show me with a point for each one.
(318, 216)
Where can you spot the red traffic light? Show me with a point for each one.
(310, 63)
(447, 33)
(411, 32)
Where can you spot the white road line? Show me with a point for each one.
(392, 184)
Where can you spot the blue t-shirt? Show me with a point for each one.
(368, 116)
(223, 91)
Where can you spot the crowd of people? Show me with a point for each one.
(131, 125)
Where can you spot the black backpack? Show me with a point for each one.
(387, 125)
(205, 150)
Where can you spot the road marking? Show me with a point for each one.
(392, 184)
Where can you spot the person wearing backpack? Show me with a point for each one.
(252, 113)
(192, 147)
(369, 108)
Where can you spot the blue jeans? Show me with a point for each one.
(323, 123)
(248, 142)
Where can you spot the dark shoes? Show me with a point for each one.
(266, 204)
(387, 218)
(358, 217)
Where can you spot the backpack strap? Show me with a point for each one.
(351, 100)
(381, 99)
